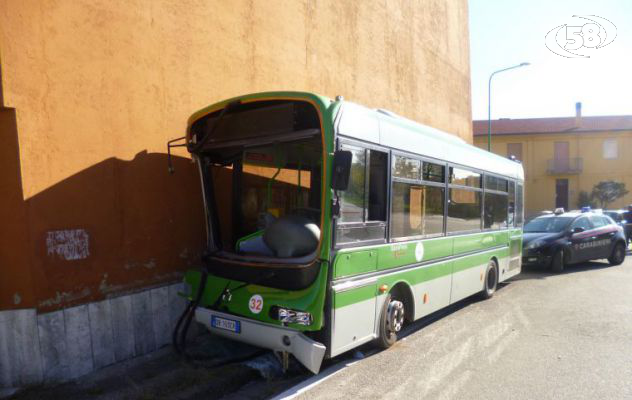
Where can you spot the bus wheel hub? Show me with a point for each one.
(395, 314)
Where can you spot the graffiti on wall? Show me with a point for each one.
(71, 244)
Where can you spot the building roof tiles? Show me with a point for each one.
(507, 126)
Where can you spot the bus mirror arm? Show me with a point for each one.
(335, 205)
(170, 144)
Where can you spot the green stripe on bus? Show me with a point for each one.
(415, 276)
(350, 262)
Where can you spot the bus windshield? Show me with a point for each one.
(266, 187)
(547, 224)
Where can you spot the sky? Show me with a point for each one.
(507, 33)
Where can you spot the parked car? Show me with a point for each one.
(565, 238)
(538, 214)
(624, 219)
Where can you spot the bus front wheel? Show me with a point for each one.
(491, 280)
(391, 322)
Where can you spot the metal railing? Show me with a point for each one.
(569, 166)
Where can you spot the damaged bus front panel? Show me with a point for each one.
(264, 162)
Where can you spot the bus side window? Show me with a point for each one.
(418, 198)
(465, 197)
(495, 203)
(352, 200)
(363, 204)
(377, 185)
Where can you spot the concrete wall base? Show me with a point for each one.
(64, 345)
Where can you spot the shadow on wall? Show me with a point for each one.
(116, 226)
(112, 228)
(16, 286)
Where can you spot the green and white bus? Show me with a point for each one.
(331, 224)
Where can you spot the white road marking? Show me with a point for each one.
(314, 381)
(493, 332)
(521, 316)
(501, 346)
(446, 364)
(456, 385)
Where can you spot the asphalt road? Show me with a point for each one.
(542, 336)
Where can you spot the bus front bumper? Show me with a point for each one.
(307, 351)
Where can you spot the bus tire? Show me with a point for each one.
(391, 322)
(618, 254)
(557, 263)
(491, 280)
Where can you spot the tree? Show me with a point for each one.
(605, 192)
(585, 200)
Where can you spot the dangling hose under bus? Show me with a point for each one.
(179, 336)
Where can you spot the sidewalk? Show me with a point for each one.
(162, 375)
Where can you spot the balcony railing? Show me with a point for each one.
(569, 166)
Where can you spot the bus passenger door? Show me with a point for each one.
(433, 293)
(354, 302)
(514, 222)
(515, 254)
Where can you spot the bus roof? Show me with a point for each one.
(391, 130)
(400, 133)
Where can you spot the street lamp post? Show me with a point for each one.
(489, 102)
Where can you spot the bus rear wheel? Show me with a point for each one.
(391, 322)
(491, 280)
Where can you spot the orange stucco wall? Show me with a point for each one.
(96, 88)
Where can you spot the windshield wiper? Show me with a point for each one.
(195, 147)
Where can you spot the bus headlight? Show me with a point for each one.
(288, 316)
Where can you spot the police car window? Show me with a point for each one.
(615, 216)
(582, 222)
(547, 224)
(597, 222)
(609, 219)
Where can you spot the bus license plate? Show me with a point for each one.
(226, 324)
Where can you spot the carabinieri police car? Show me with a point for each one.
(563, 238)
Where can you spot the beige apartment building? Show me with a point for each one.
(564, 156)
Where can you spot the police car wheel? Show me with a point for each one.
(557, 264)
(618, 255)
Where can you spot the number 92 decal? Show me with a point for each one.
(255, 304)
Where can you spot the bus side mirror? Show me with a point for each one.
(341, 170)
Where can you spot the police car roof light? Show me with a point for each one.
(586, 209)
